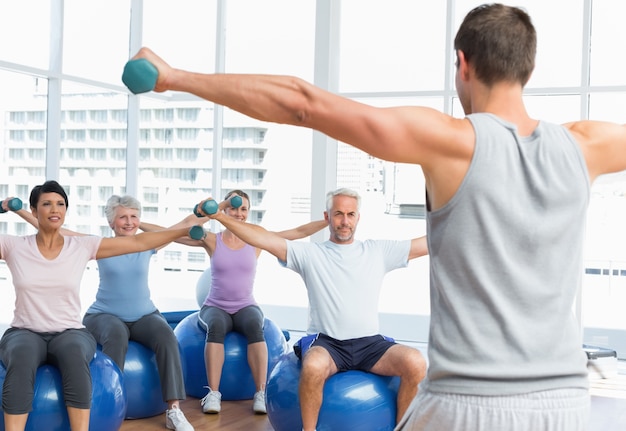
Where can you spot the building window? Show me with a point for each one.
(98, 116)
(117, 154)
(145, 154)
(188, 114)
(37, 135)
(83, 210)
(98, 135)
(22, 190)
(187, 154)
(20, 228)
(37, 154)
(16, 154)
(84, 193)
(195, 257)
(187, 134)
(37, 117)
(76, 153)
(172, 256)
(76, 136)
(104, 193)
(17, 117)
(98, 154)
(260, 136)
(119, 135)
(144, 135)
(17, 135)
(77, 117)
(151, 195)
(150, 213)
(119, 115)
(165, 115)
(163, 154)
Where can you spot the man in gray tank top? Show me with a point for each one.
(506, 213)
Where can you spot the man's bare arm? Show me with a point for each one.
(603, 144)
(255, 235)
(304, 230)
(419, 247)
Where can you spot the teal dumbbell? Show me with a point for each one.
(211, 206)
(140, 76)
(197, 232)
(14, 204)
(236, 201)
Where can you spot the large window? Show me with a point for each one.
(67, 116)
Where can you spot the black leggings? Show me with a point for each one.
(22, 351)
(248, 321)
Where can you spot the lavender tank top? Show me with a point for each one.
(232, 277)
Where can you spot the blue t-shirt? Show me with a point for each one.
(123, 289)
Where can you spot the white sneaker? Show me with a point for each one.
(259, 403)
(212, 402)
(176, 420)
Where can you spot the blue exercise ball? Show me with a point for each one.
(109, 397)
(203, 286)
(353, 400)
(236, 381)
(142, 382)
(108, 404)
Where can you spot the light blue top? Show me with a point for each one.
(506, 265)
(123, 289)
(343, 282)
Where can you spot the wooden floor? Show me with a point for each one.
(235, 415)
(608, 404)
(608, 412)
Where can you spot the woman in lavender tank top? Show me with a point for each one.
(230, 304)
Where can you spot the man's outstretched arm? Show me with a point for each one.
(304, 230)
(419, 247)
(399, 134)
(254, 235)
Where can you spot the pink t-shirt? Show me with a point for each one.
(47, 291)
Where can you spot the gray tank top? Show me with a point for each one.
(506, 264)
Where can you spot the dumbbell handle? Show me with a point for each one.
(211, 206)
(14, 204)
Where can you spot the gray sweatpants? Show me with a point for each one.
(555, 410)
(22, 351)
(153, 332)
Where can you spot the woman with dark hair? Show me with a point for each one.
(123, 310)
(47, 269)
(230, 304)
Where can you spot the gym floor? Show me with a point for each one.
(608, 409)
(608, 400)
